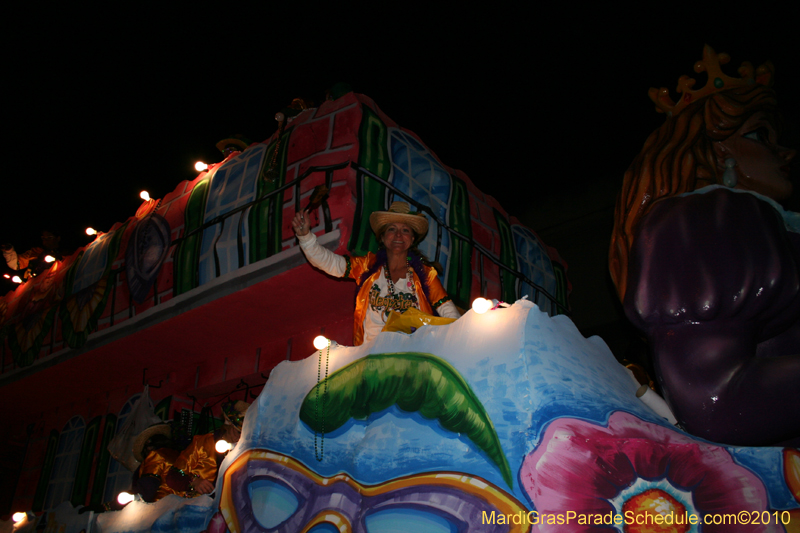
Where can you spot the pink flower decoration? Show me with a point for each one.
(589, 470)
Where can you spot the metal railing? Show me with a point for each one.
(361, 174)
(328, 169)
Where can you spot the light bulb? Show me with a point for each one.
(17, 517)
(320, 342)
(7, 276)
(223, 446)
(200, 166)
(49, 259)
(144, 195)
(91, 231)
(124, 498)
(16, 279)
(481, 305)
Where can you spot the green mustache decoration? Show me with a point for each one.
(416, 382)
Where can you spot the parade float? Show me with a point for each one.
(506, 420)
(203, 292)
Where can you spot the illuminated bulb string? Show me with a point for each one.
(320, 422)
(223, 446)
(481, 305)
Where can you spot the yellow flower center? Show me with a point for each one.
(643, 510)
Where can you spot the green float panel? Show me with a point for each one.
(266, 215)
(561, 289)
(102, 462)
(188, 249)
(81, 484)
(508, 256)
(47, 468)
(373, 156)
(460, 269)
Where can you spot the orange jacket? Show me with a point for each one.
(359, 266)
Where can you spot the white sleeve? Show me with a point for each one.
(322, 258)
(11, 258)
(448, 310)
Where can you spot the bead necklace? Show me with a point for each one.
(319, 408)
(409, 280)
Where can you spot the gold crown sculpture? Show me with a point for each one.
(717, 81)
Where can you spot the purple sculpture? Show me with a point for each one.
(707, 263)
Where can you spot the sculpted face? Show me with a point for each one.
(761, 163)
(398, 237)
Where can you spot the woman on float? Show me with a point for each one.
(707, 263)
(396, 278)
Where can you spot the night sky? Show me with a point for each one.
(528, 103)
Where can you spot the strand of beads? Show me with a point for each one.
(319, 421)
(409, 280)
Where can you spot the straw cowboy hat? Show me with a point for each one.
(236, 142)
(400, 212)
(144, 436)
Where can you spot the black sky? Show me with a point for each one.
(99, 106)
